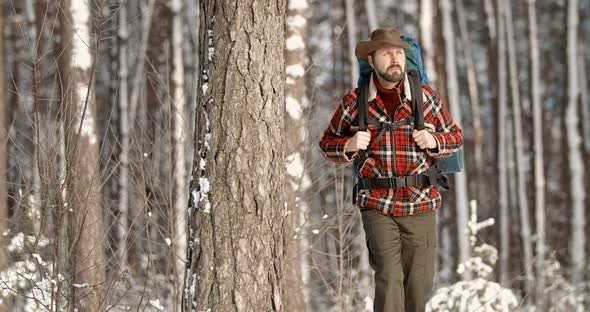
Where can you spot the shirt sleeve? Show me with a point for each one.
(338, 134)
(448, 136)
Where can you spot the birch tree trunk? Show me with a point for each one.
(502, 159)
(584, 98)
(5, 305)
(539, 172)
(454, 107)
(574, 154)
(236, 244)
(298, 157)
(147, 11)
(85, 230)
(371, 15)
(427, 18)
(351, 27)
(525, 228)
(473, 93)
(179, 194)
(123, 203)
(35, 90)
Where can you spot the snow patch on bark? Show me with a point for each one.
(211, 49)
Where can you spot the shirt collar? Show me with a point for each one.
(373, 88)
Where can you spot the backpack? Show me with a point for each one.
(417, 77)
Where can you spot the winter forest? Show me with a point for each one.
(162, 155)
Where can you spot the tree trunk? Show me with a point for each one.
(179, 192)
(5, 305)
(584, 98)
(454, 107)
(539, 173)
(297, 166)
(35, 90)
(123, 190)
(574, 154)
(85, 229)
(473, 96)
(502, 159)
(351, 27)
(427, 19)
(236, 250)
(371, 14)
(522, 197)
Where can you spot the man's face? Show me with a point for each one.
(389, 63)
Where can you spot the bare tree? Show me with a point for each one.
(522, 197)
(539, 172)
(4, 263)
(236, 244)
(82, 185)
(502, 159)
(298, 158)
(123, 100)
(352, 39)
(453, 99)
(473, 92)
(180, 187)
(427, 18)
(574, 154)
(371, 14)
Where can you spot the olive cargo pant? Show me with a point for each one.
(401, 252)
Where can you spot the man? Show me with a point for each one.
(399, 223)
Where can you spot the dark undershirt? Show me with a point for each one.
(391, 97)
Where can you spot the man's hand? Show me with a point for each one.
(424, 139)
(359, 141)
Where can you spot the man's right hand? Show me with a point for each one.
(359, 141)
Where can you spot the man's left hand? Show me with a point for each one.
(424, 139)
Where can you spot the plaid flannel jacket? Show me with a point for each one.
(409, 159)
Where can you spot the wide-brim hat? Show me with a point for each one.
(380, 38)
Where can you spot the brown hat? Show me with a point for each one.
(380, 38)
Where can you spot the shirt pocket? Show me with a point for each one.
(370, 168)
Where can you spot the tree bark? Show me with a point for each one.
(539, 173)
(473, 95)
(352, 39)
(179, 183)
(236, 249)
(427, 24)
(502, 159)
(85, 229)
(123, 101)
(371, 14)
(454, 105)
(297, 160)
(4, 306)
(522, 197)
(574, 154)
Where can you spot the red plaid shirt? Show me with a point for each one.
(409, 158)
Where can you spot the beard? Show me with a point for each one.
(393, 76)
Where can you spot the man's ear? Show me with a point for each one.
(370, 60)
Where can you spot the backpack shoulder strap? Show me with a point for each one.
(417, 101)
(362, 105)
(363, 112)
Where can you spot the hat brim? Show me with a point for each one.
(364, 48)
